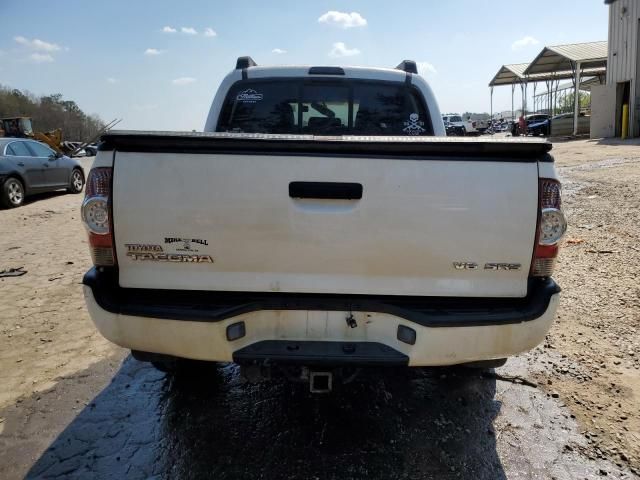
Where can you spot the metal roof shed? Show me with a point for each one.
(514, 74)
(573, 57)
(508, 75)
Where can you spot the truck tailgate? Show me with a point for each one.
(420, 217)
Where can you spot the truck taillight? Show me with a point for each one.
(96, 215)
(552, 226)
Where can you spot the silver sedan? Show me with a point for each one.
(28, 167)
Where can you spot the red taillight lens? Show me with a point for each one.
(550, 194)
(99, 182)
(96, 215)
(551, 228)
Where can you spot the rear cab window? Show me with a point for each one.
(324, 107)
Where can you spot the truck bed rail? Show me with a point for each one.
(466, 149)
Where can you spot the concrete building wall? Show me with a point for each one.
(623, 64)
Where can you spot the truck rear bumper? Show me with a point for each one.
(298, 329)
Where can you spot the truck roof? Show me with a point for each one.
(251, 69)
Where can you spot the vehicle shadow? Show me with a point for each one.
(400, 424)
(38, 197)
(44, 196)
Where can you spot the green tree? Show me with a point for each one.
(565, 102)
(50, 112)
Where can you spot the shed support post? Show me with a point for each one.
(513, 89)
(491, 117)
(576, 99)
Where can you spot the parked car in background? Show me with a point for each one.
(531, 119)
(470, 127)
(28, 167)
(536, 118)
(559, 125)
(481, 126)
(499, 125)
(563, 124)
(456, 122)
(72, 149)
(454, 130)
(539, 128)
(91, 150)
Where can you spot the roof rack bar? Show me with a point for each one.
(245, 62)
(408, 66)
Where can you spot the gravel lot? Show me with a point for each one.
(74, 406)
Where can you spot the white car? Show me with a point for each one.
(321, 221)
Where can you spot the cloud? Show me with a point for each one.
(278, 51)
(153, 52)
(189, 30)
(425, 68)
(112, 80)
(41, 58)
(37, 44)
(210, 32)
(343, 19)
(524, 42)
(169, 29)
(340, 50)
(183, 81)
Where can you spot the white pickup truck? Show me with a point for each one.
(467, 127)
(322, 220)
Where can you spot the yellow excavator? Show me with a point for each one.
(21, 127)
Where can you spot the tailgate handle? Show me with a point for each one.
(326, 190)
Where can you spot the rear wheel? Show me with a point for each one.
(12, 193)
(77, 181)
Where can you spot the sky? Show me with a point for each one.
(157, 64)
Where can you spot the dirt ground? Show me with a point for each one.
(45, 332)
(576, 414)
(597, 333)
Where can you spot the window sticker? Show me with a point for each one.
(414, 126)
(249, 96)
